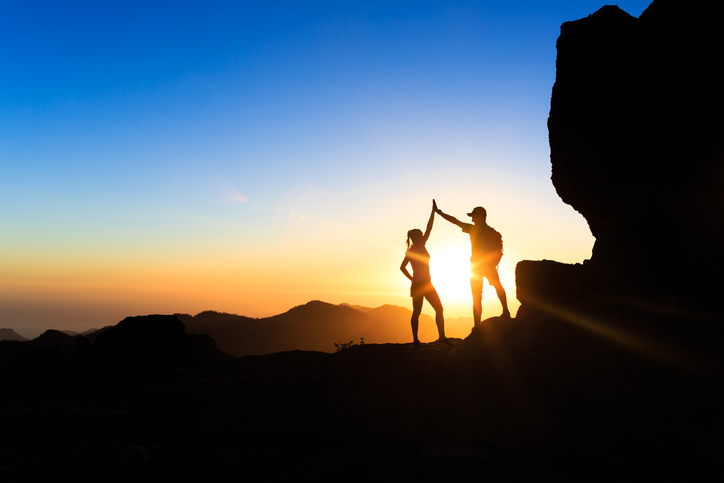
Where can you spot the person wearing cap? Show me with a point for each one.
(486, 252)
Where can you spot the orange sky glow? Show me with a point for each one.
(248, 158)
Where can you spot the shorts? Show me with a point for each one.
(421, 288)
(484, 268)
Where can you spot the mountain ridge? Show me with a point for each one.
(316, 326)
(10, 334)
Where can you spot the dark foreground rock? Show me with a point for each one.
(517, 401)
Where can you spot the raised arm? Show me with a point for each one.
(447, 217)
(430, 222)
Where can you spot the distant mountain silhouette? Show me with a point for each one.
(94, 333)
(10, 334)
(42, 359)
(357, 307)
(134, 348)
(58, 338)
(314, 326)
(142, 344)
(145, 344)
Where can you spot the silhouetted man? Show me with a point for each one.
(486, 252)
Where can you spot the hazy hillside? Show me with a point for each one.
(314, 326)
(10, 334)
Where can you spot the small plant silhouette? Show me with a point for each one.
(344, 345)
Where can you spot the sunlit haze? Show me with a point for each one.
(247, 157)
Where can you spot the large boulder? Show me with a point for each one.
(637, 147)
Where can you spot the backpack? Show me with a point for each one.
(492, 240)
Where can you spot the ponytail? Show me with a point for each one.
(412, 235)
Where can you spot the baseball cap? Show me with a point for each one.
(478, 210)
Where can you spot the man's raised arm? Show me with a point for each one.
(447, 217)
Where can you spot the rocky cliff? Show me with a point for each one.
(637, 147)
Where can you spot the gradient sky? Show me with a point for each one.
(247, 157)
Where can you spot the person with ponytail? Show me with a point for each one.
(421, 289)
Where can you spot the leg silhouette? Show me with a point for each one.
(415, 320)
(500, 291)
(434, 300)
(476, 287)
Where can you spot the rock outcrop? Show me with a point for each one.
(142, 344)
(637, 147)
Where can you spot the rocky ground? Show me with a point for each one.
(517, 401)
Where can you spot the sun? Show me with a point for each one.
(450, 271)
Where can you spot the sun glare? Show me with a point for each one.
(450, 272)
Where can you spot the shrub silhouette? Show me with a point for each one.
(344, 345)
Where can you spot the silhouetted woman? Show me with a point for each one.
(417, 256)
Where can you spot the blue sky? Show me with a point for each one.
(266, 141)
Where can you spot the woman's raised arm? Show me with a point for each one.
(430, 222)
